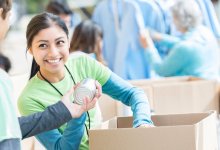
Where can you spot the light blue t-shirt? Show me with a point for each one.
(9, 126)
(195, 54)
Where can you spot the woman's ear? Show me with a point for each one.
(1, 11)
(30, 51)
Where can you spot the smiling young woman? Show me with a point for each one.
(52, 117)
(55, 73)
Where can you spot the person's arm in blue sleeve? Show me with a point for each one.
(121, 90)
(52, 117)
(10, 144)
(172, 63)
(164, 39)
(169, 41)
(69, 140)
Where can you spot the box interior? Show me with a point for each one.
(159, 120)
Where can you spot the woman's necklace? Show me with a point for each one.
(62, 94)
(53, 85)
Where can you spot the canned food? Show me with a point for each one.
(86, 87)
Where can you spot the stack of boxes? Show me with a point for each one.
(182, 117)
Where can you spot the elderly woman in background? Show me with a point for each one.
(194, 53)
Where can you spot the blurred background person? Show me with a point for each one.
(87, 38)
(122, 22)
(62, 10)
(10, 133)
(209, 15)
(194, 53)
(5, 63)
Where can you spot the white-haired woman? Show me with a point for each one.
(194, 53)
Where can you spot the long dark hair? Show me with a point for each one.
(58, 8)
(6, 6)
(38, 23)
(5, 63)
(85, 38)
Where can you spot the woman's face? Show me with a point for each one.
(66, 19)
(4, 24)
(175, 22)
(50, 48)
(177, 25)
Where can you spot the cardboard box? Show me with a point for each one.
(196, 131)
(144, 82)
(182, 94)
(111, 107)
(108, 107)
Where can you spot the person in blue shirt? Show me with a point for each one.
(156, 16)
(195, 53)
(103, 15)
(62, 10)
(209, 16)
(122, 22)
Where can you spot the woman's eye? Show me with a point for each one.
(60, 42)
(42, 45)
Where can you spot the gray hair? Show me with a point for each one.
(187, 13)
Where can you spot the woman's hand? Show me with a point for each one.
(77, 110)
(145, 39)
(98, 89)
(88, 103)
(145, 126)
